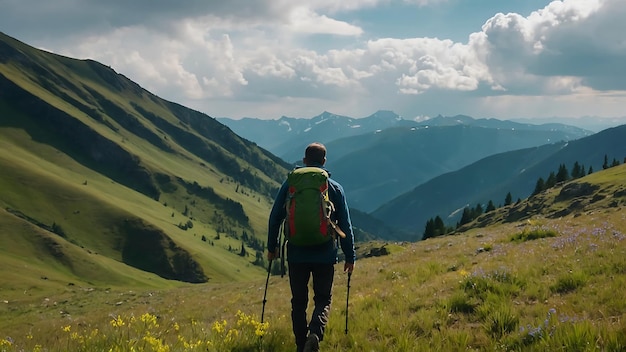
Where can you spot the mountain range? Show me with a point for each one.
(286, 137)
(493, 177)
(383, 155)
(405, 172)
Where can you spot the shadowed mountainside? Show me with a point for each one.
(493, 177)
(92, 160)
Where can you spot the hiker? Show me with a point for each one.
(315, 260)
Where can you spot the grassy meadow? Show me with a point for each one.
(543, 283)
(535, 285)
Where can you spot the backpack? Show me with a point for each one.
(308, 208)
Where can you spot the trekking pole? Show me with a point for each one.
(347, 299)
(267, 281)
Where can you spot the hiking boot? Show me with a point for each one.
(312, 343)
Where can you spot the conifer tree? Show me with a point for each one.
(615, 162)
(466, 217)
(508, 199)
(440, 227)
(550, 181)
(576, 170)
(478, 210)
(539, 186)
(490, 207)
(605, 165)
(429, 231)
(562, 175)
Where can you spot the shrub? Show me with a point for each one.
(500, 321)
(569, 282)
(461, 303)
(529, 235)
(499, 282)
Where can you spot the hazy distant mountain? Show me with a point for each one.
(378, 167)
(493, 177)
(591, 123)
(287, 137)
(383, 155)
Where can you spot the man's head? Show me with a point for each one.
(315, 154)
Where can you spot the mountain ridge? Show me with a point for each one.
(284, 136)
(407, 157)
(118, 145)
(409, 152)
(492, 177)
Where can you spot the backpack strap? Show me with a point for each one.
(336, 228)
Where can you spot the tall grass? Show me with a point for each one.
(559, 293)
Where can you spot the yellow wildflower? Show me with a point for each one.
(117, 322)
(93, 334)
(261, 329)
(243, 319)
(219, 328)
(67, 328)
(156, 344)
(231, 335)
(150, 320)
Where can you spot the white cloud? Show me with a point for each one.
(523, 53)
(303, 20)
(186, 65)
(258, 55)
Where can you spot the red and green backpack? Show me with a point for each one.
(309, 208)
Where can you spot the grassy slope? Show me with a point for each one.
(51, 187)
(446, 293)
(40, 178)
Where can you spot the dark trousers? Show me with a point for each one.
(299, 274)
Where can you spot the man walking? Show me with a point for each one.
(316, 260)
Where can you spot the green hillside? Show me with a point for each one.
(492, 177)
(103, 182)
(549, 280)
(595, 192)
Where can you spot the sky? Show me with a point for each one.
(500, 59)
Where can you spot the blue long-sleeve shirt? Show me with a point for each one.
(324, 253)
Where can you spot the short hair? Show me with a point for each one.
(315, 153)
